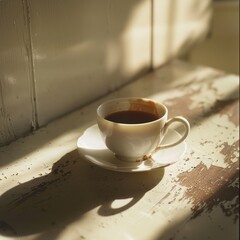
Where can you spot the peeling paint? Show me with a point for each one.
(214, 181)
(231, 153)
(212, 190)
(195, 109)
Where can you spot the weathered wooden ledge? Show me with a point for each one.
(47, 191)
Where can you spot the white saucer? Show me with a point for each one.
(91, 146)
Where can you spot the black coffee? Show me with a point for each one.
(131, 117)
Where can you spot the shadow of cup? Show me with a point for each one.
(72, 188)
(107, 209)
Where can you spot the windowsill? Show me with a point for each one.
(48, 191)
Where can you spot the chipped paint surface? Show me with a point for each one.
(211, 190)
(210, 184)
(48, 190)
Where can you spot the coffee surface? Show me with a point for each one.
(131, 117)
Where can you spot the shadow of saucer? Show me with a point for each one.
(73, 188)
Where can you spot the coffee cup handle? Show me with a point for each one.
(180, 119)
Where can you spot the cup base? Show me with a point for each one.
(130, 159)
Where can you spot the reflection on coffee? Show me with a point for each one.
(131, 117)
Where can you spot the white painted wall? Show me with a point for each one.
(84, 49)
(57, 55)
(221, 48)
(179, 25)
(16, 105)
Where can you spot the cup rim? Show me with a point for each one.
(132, 98)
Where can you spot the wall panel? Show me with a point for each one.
(58, 55)
(84, 49)
(221, 48)
(16, 112)
(178, 26)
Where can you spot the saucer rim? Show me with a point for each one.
(129, 169)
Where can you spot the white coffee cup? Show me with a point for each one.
(136, 141)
